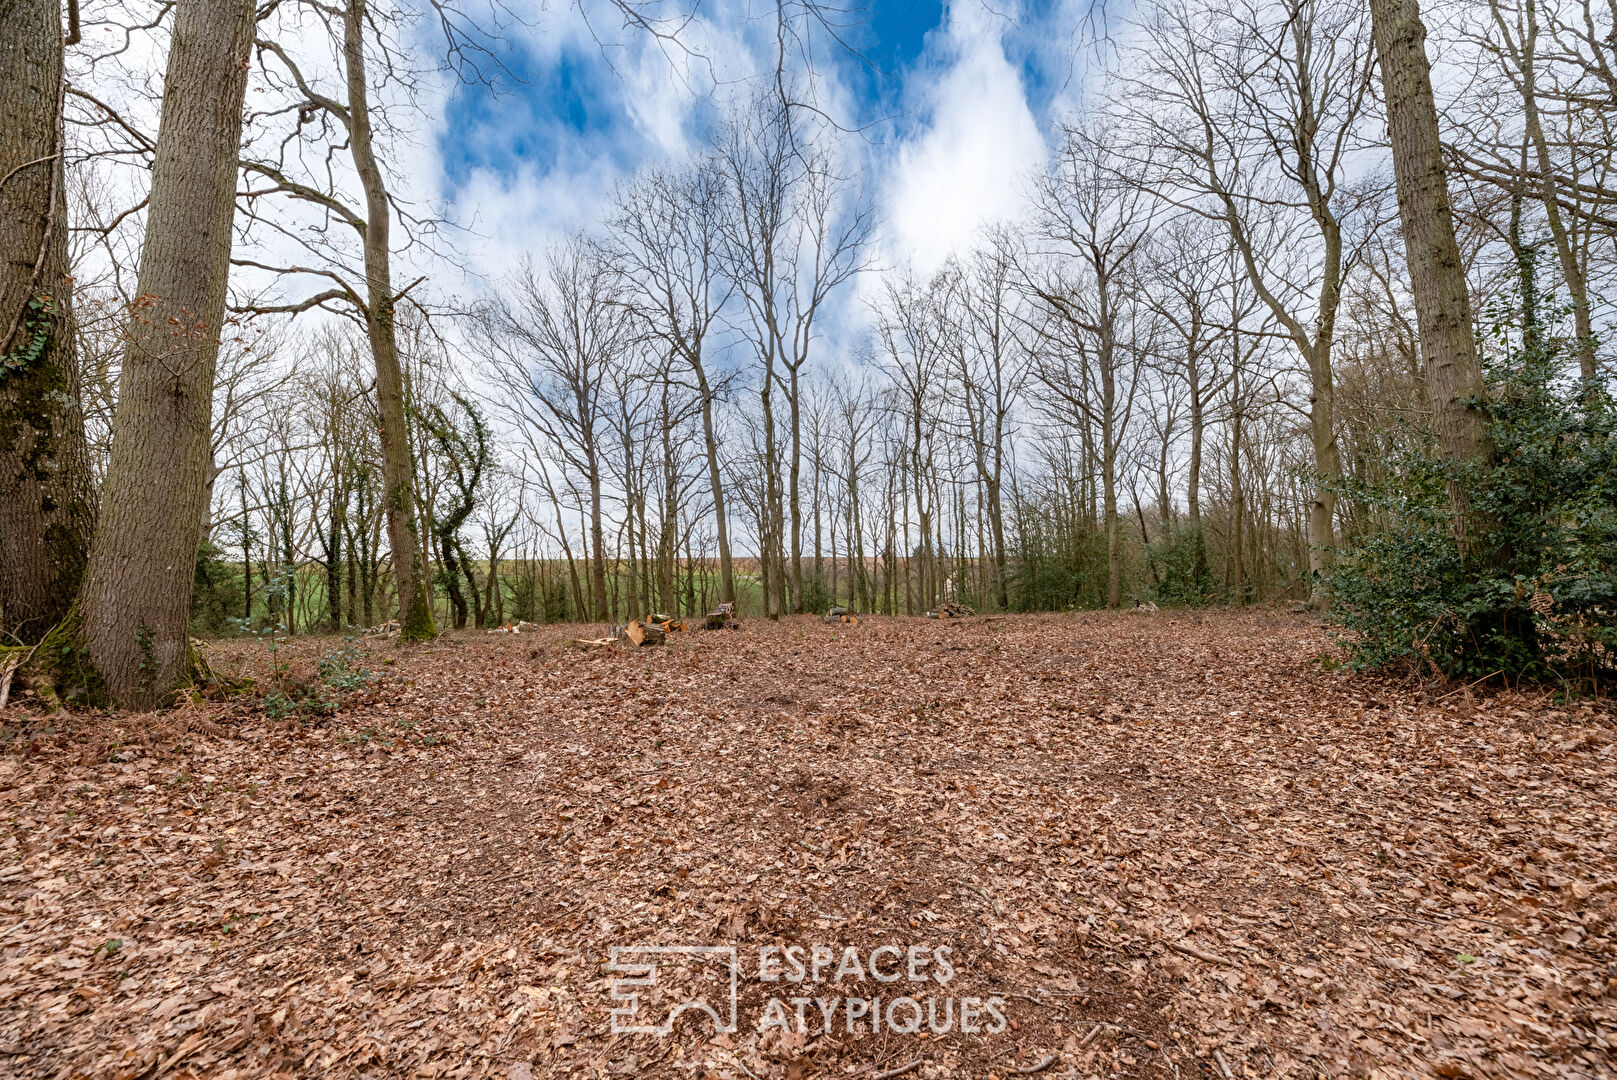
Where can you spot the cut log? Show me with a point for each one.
(721, 618)
(644, 634)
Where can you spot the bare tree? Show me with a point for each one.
(789, 242)
(666, 245)
(1084, 272)
(551, 347)
(991, 364)
(136, 598)
(1250, 114)
(1437, 278)
(348, 121)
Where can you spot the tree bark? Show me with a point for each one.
(47, 507)
(793, 496)
(136, 599)
(1437, 276)
(398, 468)
(727, 587)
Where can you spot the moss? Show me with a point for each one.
(62, 664)
(418, 624)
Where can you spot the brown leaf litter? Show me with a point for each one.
(1169, 844)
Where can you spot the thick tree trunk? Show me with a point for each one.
(46, 498)
(398, 469)
(136, 599)
(1437, 276)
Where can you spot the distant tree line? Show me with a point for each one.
(1268, 326)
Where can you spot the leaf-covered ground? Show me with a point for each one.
(1173, 845)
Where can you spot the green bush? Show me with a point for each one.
(1533, 594)
(1178, 563)
(217, 593)
(343, 669)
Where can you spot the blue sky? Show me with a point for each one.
(953, 100)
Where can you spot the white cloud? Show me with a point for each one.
(968, 162)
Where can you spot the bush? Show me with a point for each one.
(1533, 595)
(1178, 562)
(217, 593)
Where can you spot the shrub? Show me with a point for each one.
(1178, 563)
(1533, 594)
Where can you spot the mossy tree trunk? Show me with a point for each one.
(46, 498)
(1436, 274)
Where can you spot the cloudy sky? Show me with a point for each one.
(951, 103)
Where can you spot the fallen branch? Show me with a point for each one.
(1201, 954)
(998, 914)
(1038, 1066)
(1467, 686)
(18, 662)
(814, 848)
(5, 680)
(888, 1074)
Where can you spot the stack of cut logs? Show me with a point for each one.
(951, 611)
(842, 615)
(655, 628)
(722, 617)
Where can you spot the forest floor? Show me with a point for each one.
(1166, 844)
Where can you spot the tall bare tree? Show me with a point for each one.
(1085, 273)
(136, 599)
(789, 241)
(1251, 115)
(551, 349)
(349, 122)
(667, 240)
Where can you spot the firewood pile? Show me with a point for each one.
(653, 629)
(951, 611)
(721, 618)
(841, 615)
(644, 633)
(518, 627)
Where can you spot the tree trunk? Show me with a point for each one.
(398, 468)
(1328, 464)
(1437, 276)
(727, 585)
(136, 600)
(793, 496)
(1565, 244)
(597, 544)
(334, 532)
(47, 505)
